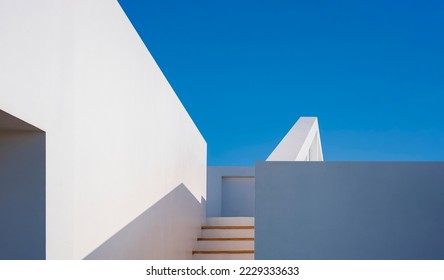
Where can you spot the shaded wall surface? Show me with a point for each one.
(237, 196)
(22, 194)
(230, 191)
(349, 210)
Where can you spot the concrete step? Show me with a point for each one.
(216, 245)
(229, 221)
(226, 238)
(227, 233)
(227, 227)
(223, 257)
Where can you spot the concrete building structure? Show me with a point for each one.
(231, 189)
(100, 160)
(125, 166)
(231, 195)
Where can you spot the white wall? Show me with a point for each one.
(301, 143)
(349, 211)
(118, 140)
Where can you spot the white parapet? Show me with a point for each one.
(302, 143)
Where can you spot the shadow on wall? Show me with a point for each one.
(22, 190)
(167, 230)
(237, 196)
(349, 211)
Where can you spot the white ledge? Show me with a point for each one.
(302, 143)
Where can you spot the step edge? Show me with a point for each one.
(207, 252)
(227, 227)
(225, 239)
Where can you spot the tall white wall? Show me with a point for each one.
(120, 147)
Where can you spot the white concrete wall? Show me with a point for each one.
(118, 140)
(301, 143)
(349, 211)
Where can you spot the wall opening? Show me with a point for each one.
(22, 189)
(238, 196)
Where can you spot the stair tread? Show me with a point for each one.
(223, 257)
(229, 221)
(224, 252)
(225, 239)
(227, 233)
(227, 227)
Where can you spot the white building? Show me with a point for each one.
(119, 148)
(100, 160)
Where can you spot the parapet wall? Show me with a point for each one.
(349, 210)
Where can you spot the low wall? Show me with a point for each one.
(349, 210)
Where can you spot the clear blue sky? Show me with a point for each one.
(371, 71)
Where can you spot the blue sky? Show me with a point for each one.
(371, 71)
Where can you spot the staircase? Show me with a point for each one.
(226, 238)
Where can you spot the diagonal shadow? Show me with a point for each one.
(166, 230)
